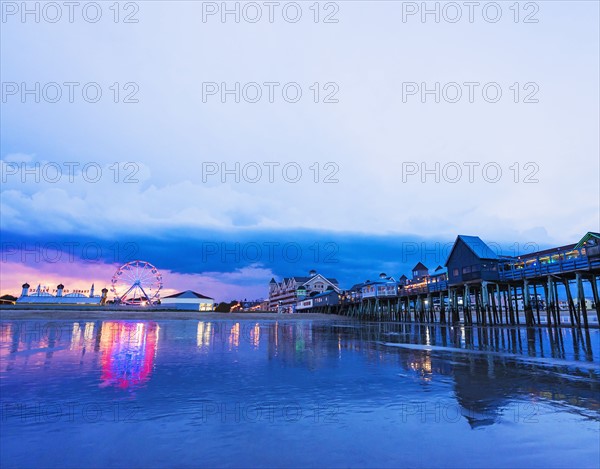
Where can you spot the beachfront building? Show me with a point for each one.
(8, 300)
(319, 302)
(384, 287)
(285, 294)
(591, 244)
(419, 272)
(471, 261)
(188, 300)
(43, 295)
(479, 286)
(552, 261)
(255, 305)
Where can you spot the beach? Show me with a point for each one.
(96, 313)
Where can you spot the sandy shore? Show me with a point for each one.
(56, 314)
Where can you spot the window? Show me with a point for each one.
(466, 270)
(455, 273)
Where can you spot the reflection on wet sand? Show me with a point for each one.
(123, 351)
(491, 369)
(128, 352)
(488, 368)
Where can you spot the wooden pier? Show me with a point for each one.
(478, 287)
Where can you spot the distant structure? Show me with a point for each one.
(383, 286)
(254, 305)
(286, 293)
(321, 302)
(43, 296)
(419, 272)
(476, 285)
(8, 300)
(137, 283)
(188, 300)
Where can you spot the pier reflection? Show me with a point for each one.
(213, 387)
(483, 371)
(491, 369)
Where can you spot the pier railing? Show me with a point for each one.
(539, 269)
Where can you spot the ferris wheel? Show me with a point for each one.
(137, 283)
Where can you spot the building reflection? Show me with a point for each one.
(123, 352)
(483, 370)
(128, 352)
(301, 344)
(81, 335)
(204, 334)
(285, 341)
(233, 338)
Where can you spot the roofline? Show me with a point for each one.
(177, 295)
(568, 247)
(470, 249)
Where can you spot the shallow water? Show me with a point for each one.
(296, 394)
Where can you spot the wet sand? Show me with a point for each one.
(82, 313)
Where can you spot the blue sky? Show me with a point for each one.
(375, 213)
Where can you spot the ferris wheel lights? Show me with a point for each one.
(137, 283)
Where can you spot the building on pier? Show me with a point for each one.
(423, 281)
(471, 261)
(419, 272)
(591, 243)
(479, 286)
(384, 287)
(322, 302)
(582, 255)
(438, 279)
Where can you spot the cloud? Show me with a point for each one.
(369, 134)
(226, 264)
(243, 283)
(117, 209)
(152, 198)
(17, 158)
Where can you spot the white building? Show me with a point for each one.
(188, 300)
(43, 296)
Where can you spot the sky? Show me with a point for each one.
(350, 137)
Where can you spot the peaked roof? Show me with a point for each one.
(325, 293)
(589, 235)
(420, 266)
(379, 282)
(304, 280)
(476, 245)
(330, 280)
(189, 294)
(296, 279)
